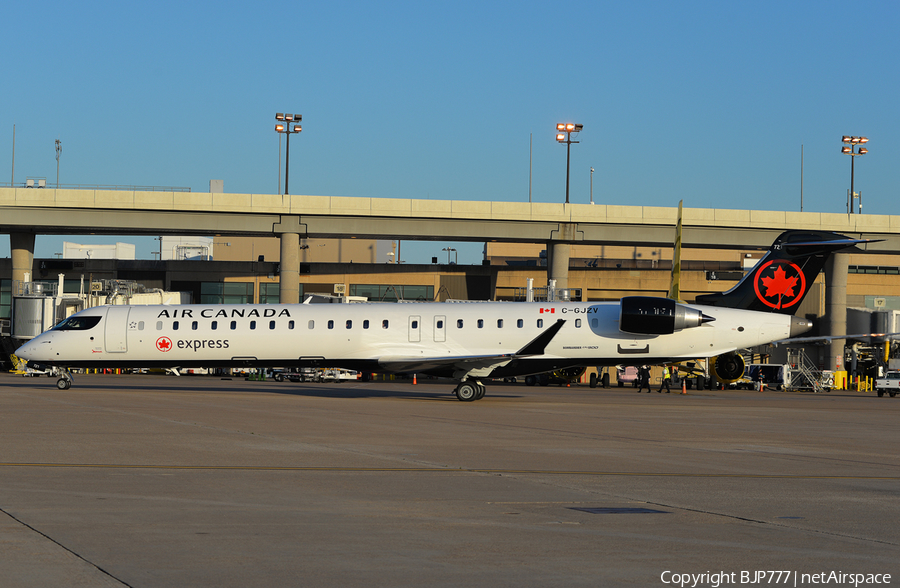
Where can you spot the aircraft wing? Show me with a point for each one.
(827, 338)
(467, 363)
(472, 364)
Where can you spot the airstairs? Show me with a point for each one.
(805, 375)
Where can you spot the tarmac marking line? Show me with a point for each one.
(442, 470)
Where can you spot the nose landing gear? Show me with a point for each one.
(65, 379)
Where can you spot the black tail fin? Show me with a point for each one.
(781, 279)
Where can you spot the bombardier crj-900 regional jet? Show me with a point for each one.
(468, 341)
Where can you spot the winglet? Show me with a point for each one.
(537, 345)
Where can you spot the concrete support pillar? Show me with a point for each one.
(289, 278)
(836, 307)
(22, 247)
(558, 263)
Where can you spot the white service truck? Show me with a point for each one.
(889, 382)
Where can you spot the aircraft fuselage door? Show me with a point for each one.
(415, 329)
(440, 329)
(116, 329)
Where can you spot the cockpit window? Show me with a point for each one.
(78, 323)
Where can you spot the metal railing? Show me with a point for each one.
(119, 187)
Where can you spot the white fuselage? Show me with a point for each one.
(387, 337)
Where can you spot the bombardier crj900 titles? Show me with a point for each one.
(469, 342)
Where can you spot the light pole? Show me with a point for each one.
(849, 144)
(287, 130)
(565, 136)
(448, 250)
(58, 151)
(592, 185)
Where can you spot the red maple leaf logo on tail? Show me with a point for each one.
(780, 286)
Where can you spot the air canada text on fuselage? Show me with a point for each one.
(224, 313)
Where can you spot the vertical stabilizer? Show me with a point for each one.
(675, 282)
(781, 279)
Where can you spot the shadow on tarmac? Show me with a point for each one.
(433, 390)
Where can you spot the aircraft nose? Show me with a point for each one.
(30, 350)
(800, 325)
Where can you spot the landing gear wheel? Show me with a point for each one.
(481, 390)
(466, 392)
(605, 380)
(63, 384)
(530, 380)
(593, 380)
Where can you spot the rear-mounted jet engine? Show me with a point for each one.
(646, 315)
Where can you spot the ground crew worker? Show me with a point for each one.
(644, 379)
(666, 380)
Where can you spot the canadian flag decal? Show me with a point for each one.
(550, 310)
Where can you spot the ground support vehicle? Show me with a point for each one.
(889, 383)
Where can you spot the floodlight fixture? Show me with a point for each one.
(287, 130)
(849, 149)
(566, 138)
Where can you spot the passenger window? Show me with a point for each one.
(233, 325)
(194, 325)
(459, 323)
(366, 324)
(271, 325)
(480, 323)
(312, 325)
(440, 324)
(330, 324)
(594, 323)
(520, 323)
(159, 325)
(174, 325)
(415, 324)
(384, 324)
(214, 325)
(540, 323)
(252, 325)
(349, 324)
(291, 325)
(577, 323)
(499, 323)
(140, 325)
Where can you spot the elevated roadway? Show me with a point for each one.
(45, 211)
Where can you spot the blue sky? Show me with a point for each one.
(708, 102)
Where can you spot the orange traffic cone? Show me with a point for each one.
(683, 387)
(414, 380)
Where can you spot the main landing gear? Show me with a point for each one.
(470, 390)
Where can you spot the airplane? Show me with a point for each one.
(466, 341)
